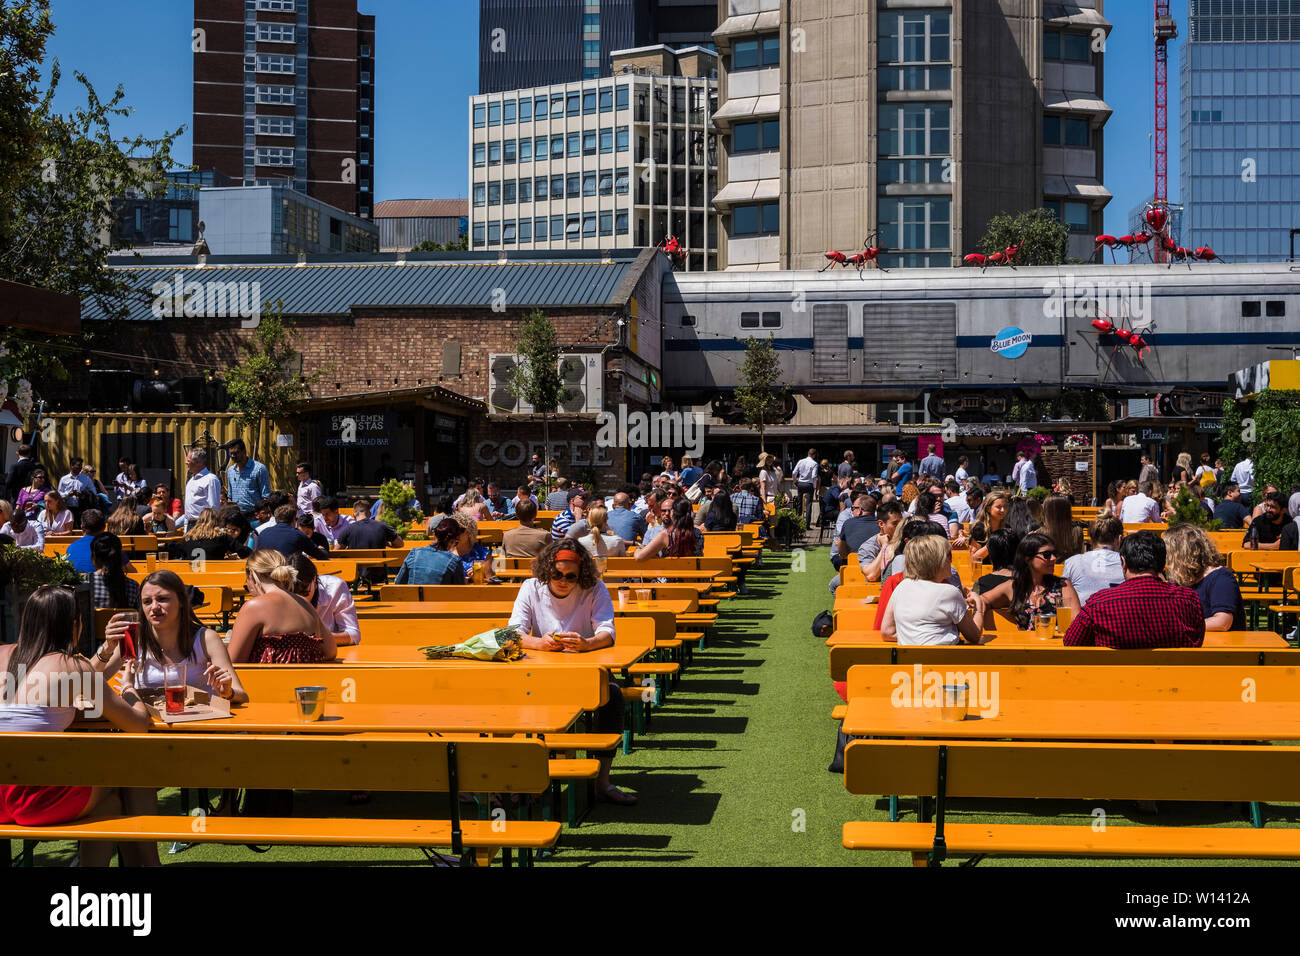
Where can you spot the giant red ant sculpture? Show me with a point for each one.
(672, 248)
(1127, 336)
(1007, 257)
(859, 260)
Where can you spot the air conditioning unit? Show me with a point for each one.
(583, 375)
(501, 366)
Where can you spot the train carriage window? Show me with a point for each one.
(749, 320)
(1250, 310)
(771, 320)
(688, 320)
(1275, 310)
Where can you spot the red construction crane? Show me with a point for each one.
(1166, 29)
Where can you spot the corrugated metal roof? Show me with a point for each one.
(421, 209)
(336, 285)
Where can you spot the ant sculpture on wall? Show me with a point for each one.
(1007, 257)
(859, 260)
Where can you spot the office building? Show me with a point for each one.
(530, 43)
(284, 93)
(404, 223)
(598, 164)
(166, 215)
(1240, 111)
(916, 124)
(276, 220)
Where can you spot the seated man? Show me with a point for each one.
(624, 521)
(366, 532)
(283, 536)
(93, 522)
(1144, 611)
(25, 534)
(526, 541)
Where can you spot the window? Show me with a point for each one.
(589, 184)
(525, 190)
(589, 224)
(494, 114)
(749, 320)
(525, 150)
(557, 146)
(575, 144)
(494, 153)
(508, 232)
(478, 233)
(589, 143)
(277, 6)
(494, 194)
(574, 104)
(621, 97)
(1072, 47)
(606, 183)
(771, 51)
(364, 52)
(480, 115)
(539, 227)
(753, 137)
(915, 37)
(274, 126)
(759, 320)
(275, 95)
(1076, 215)
(480, 154)
(508, 111)
(365, 76)
(687, 321)
(539, 107)
(365, 105)
(1065, 131)
(274, 33)
(539, 187)
(1275, 310)
(573, 228)
(508, 192)
(915, 222)
(621, 140)
(510, 155)
(525, 111)
(364, 132)
(752, 54)
(494, 233)
(591, 23)
(620, 224)
(914, 130)
(1250, 310)
(180, 224)
(606, 100)
(557, 228)
(364, 159)
(480, 194)
(763, 219)
(275, 156)
(607, 141)
(573, 184)
(540, 148)
(589, 102)
(607, 223)
(525, 230)
(557, 187)
(771, 320)
(557, 106)
(621, 182)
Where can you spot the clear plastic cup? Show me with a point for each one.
(954, 701)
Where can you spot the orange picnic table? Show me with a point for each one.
(282, 717)
(1008, 638)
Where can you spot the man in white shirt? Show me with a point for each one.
(309, 488)
(78, 490)
(1244, 476)
(1140, 508)
(1028, 476)
(1018, 467)
(203, 489)
(329, 522)
(955, 500)
(26, 534)
(805, 479)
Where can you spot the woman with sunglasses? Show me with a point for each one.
(1033, 587)
(32, 498)
(565, 607)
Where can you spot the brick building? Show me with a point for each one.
(415, 351)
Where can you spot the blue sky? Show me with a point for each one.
(426, 65)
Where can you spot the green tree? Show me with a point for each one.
(266, 379)
(1189, 510)
(536, 379)
(58, 177)
(759, 397)
(1042, 238)
(459, 245)
(1267, 429)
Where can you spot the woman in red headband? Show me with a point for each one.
(564, 606)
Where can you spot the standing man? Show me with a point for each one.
(20, 475)
(78, 491)
(1244, 476)
(202, 488)
(1018, 468)
(962, 474)
(903, 473)
(846, 466)
(247, 481)
(1148, 472)
(309, 488)
(805, 479)
(1028, 476)
(932, 465)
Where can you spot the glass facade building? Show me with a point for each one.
(1240, 110)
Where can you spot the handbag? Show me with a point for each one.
(694, 493)
(823, 625)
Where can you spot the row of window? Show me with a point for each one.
(277, 6)
(574, 185)
(756, 54)
(1066, 131)
(270, 62)
(572, 228)
(1068, 47)
(274, 33)
(575, 103)
(1274, 310)
(559, 146)
(1207, 116)
(755, 137)
(275, 155)
(915, 222)
(915, 37)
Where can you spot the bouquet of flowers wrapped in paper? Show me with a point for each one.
(499, 644)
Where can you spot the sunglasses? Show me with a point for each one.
(564, 576)
(1045, 554)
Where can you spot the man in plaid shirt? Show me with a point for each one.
(1144, 611)
(748, 506)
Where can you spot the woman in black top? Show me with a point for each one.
(722, 513)
(1002, 554)
(207, 535)
(110, 587)
(1033, 587)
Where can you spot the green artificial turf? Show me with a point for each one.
(733, 770)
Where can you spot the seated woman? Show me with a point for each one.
(1033, 587)
(159, 521)
(598, 542)
(469, 548)
(564, 606)
(171, 634)
(1002, 554)
(1194, 562)
(925, 608)
(46, 654)
(206, 538)
(721, 514)
(991, 517)
(124, 521)
(276, 626)
(332, 599)
(475, 506)
(677, 537)
(110, 587)
(31, 498)
(438, 563)
(55, 518)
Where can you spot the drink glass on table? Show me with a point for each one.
(174, 688)
(643, 595)
(1045, 623)
(622, 599)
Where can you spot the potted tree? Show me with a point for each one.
(22, 571)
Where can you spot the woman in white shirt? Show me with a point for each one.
(925, 608)
(599, 542)
(564, 606)
(769, 476)
(55, 518)
(332, 599)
